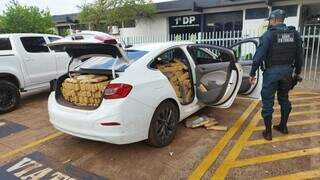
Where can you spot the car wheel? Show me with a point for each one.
(164, 124)
(9, 96)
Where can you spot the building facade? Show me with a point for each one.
(193, 16)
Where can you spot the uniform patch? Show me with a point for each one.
(7, 128)
(285, 38)
(38, 166)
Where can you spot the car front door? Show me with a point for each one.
(218, 75)
(39, 61)
(244, 52)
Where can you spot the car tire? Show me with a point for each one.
(9, 96)
(164, 124)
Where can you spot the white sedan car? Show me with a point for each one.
(153, 87)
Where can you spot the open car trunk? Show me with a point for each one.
(94, 66)
(82, 91)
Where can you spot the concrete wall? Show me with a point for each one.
(157, 26)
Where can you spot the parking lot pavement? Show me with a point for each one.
(36, 149)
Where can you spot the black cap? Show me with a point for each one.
(278, 13)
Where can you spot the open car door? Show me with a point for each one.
(244, 52)
(218, 75)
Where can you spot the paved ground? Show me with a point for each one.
(30, 147)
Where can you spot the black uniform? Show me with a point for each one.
(279, 53)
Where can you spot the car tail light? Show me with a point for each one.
(117, 91)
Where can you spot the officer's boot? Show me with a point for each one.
(267, 134)
(282, 127)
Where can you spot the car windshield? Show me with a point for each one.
(106, 63)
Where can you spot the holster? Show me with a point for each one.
(295, 80)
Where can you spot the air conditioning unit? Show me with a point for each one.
(114, 30)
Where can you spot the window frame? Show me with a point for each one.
(91, 59)
(10, 44)
(129, 24)
(149, 65)
(57, 38)
(286, 7)
(215, 61)
(31, 52)
(254, 11)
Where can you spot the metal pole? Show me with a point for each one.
(311, 58)
(316, 65)
(307, 52)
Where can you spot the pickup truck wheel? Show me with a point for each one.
(164, 124)
(9, 96)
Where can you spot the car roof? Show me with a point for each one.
(157, 46)
(27, 34)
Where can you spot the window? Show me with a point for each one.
(51, 39)
(290, 10)
(258, 13)
(129, 24)
(238, 26)
(135, 54)
(225, 21)
(218, 26)
(172, 54)
(169, 56)
(200, 53)
(228, 26)
(34, 44)
(207, 56)
(244, 51)
(106, 63)
(5, 44)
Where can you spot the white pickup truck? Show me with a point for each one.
(26, 64)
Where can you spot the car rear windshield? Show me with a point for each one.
(106, 63)
(5, 44)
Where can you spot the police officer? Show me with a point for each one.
(280, 56)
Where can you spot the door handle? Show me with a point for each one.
(27, 59)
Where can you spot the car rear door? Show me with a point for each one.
(218, 75)
(39, 61)
(244, 52)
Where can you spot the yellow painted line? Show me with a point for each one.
(304, 93)
(301, 105)
(297, 176)
(304, 98)
(214, 153)
(298, 99)
(284, 138)
(294, 98)
(275, 157)
(229, 161)
(245, 98)
(299, 113)
(226, 165)
(294, 123)
(32, 144)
